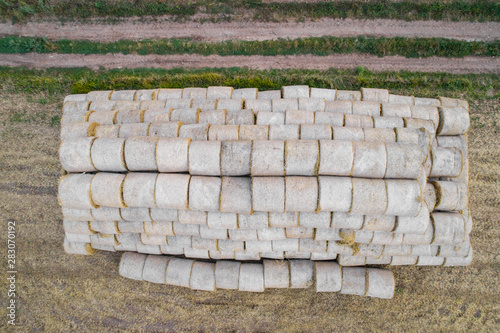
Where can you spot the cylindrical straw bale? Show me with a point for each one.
(348, 95)
(179, 271)
(227, 274)
(194, 131)
(105, 227)
(335, 194)
(187, 116)
(355, 120)
(457, 141)
(295, 91)
(106, 189)
(77, 238)
(77, 214)
(270, 118)
(165, 129)
(78, 227)
(259, 105)
(235, 158)
(129, 116)
(301, 273)
(78, 248)
(403, 261)
(240, 117)
(414, 225)
(223, 132)
(74, 130)
(408, 135)
(404, 160)
(149, 249)
(453, 121)
(458, 261)
(135, 214)
(385, 238)
(301, 157)
(453, 102)
(75, 98)
(203, 275)
(328, 276)
(204, 104)
(132, 264)
(254, 132)
(449, 195)
(388, 122)
(283, 220)
(446, 162)
(344, 107)
(139, 189)
(164, 94)
(427, 101)
(172, 154)
(251, 277)
(178, 103)
(107, 131)
(268, 158)
(67, 119)
(204, 193)
(283, 104)
(140, 153)
(399, 99)
(163, 215)
(330, 118)
(421, 123)
(395, 110)
(336, 157)
(404, 197)
(216, 220)
(125, 95)
(353, 281)
(430, 196)
(74, 191)
(245, 93)
(299, 117)
(102, 117)
(284, 132)
(301, 194)
(315, 132)
(172, 191)
(194, 93)
(327, 94)
(276, 274)
(216, 117)
(379, 223)
(373, 94)
(350, 260)
(136, 129)
(426, 112)
(370, 159)
(311, 104)
(96, 95)
(128, 227)
(342, 220)
(152, 105)
(219, 92)
(127, 105)
(382, 260)
(369, 196)
(74, 154)
(192, 217)
(366, 108)
(106, 214)
(379, 134)
(268, 194)
(108, 154)
(204, 158)
(445, 227)
(315, 220)
(101, 105)
(155, 268)
(348, 133)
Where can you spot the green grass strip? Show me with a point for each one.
(219, 10)
(55, 82)
(408, 47)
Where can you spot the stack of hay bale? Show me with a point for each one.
(283, 189)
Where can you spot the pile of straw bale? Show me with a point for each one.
(243, 189)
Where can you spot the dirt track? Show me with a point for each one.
(247, 30)
(374, 63)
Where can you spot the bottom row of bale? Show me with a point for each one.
(327, 276)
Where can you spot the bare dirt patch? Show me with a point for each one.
(246, 30)
(373, 63)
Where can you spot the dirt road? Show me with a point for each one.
(246, 30)
(374, 63)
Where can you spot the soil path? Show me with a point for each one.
(246, 30)
(374, 63)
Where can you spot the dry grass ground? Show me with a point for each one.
(61, 292)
